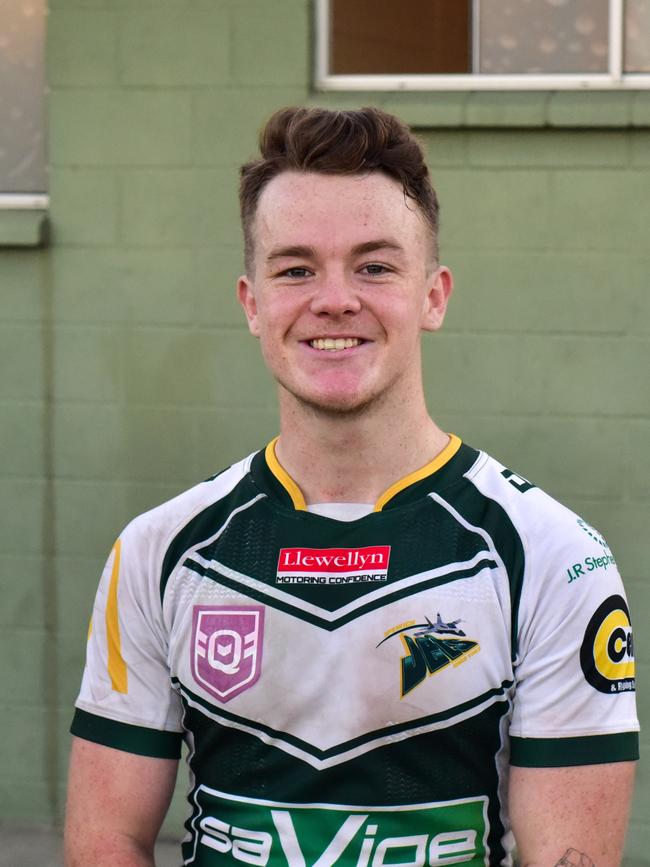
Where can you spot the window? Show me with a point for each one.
(22, 90)
(482, 44)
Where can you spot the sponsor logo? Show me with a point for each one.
(333, 566)
(430, 648)
(594, 534)
(226, 649)
(295, 835)
(589, 564)
(607, 651)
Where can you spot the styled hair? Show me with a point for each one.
(337, 143)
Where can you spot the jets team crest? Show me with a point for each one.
(430, 647)
(226, 648)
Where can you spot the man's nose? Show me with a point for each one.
(335, 296)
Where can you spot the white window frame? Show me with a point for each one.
(613, 79)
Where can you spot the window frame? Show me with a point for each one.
(614, 79)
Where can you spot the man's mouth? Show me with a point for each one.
(334, 344)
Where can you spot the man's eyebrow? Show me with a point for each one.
(299, 251)
(294, 252)
(379, 244)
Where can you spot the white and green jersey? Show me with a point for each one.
(352, 692)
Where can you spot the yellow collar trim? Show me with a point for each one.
(299, 501)
(284, 478)
(439, 461)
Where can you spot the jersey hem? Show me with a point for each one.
(126, 737)
(564, 752)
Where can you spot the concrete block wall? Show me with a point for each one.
(126, 371)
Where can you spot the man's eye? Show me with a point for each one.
(296, 273)
(374, 269)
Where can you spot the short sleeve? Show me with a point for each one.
(574, 668)
(126, 699)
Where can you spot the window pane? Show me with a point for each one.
(637, 36)
(22, 140)
(415, 36)
(543, 36)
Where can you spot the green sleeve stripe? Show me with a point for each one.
(562, 752)
(123, 736)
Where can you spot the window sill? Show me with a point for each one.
(518, 109)
(23, 224)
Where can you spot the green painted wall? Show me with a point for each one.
(126, 372)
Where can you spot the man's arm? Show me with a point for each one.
(116, 804)
(582, 808)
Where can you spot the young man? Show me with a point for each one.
(301, 618)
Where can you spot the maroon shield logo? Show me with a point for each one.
(227, 648)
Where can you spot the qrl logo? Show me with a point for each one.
(607, 652)
(226, 648)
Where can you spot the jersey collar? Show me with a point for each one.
(270, 472)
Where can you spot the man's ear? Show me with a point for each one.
(249, 303)
(441, 285)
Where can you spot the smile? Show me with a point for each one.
(334, 344)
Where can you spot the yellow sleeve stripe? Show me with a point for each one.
(116, 665)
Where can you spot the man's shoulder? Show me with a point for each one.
(166, 518)
(535, 513)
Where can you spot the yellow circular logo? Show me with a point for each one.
(607, 652)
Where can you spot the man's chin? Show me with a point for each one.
(335, 405)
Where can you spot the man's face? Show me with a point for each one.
(343, 284)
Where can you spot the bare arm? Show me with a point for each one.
(584, 809)
(116, 804)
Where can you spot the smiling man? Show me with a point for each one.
(297, 618)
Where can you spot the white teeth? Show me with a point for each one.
(331, 344)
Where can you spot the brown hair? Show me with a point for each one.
(337, 142)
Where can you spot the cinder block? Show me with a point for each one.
(21, 590)
(490, 108)
(641, 108)
(22, 801)
(71, 658)
(604, 109)
(224, 437)
(22, 277)
(600, 210)
(139, 497)
(22, 437)
(83, 206)
(215, 274)
(124, 285)
(89, 517)
(22, 526)
(640, 140)
(81, 46)
(444, 148)
(87, 364)
(25, 760)
(176, 44)
(180, 207)
(638, 467)
(218, 368)
(77, 581)
(423, 111)
(226, 122)
(120, 127)
(21, 362)
(546, 291)
(551, 148)
(494, 209)
(22, 654)
(270, 36)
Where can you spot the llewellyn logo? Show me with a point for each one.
(333, 566)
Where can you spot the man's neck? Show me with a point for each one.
(354, 459)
